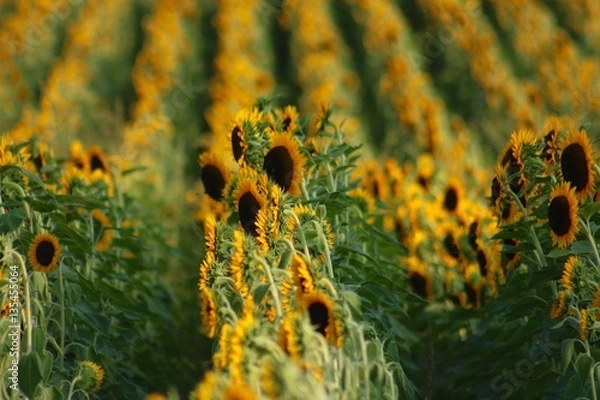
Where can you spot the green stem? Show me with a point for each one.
(273, 288)
(62, 314)
(27, 301)
(539, 253)
(300, 232)
(72, 386)
(588, 232)
(592, 368)
(326, 246)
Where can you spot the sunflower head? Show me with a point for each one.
(288, 119)
(562, 215)
(44, 252)
(97, 159)
(249, 201)
(208, 311)
(453, 193)
(576, 163)
(284, 164)
(104, 227)
(78, 158)
(91, 375)
(243, 131)
(214, 175)
(550, 134)
(321, 312)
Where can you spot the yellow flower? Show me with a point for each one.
(284, 163)
(562, 215)
(44, 252)
(91, 375)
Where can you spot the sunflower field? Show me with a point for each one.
(284, 199)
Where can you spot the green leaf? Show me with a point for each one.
(46, 361)
(30, 374)
(583, 364)
(589, 210)
(91, 317)
(567, 353)
(353, 300)
(11, 221)
(260, 291)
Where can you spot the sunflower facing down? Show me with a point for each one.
(105, 228)
(44, 252)
(249, 202)
(214, 175)
(562, 215)
(320, 309)
(284, 163)
(209, 312)
(576, 163)
(91, 376)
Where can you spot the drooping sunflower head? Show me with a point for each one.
(284, 164)
(249, 200)
(576, 163)
(91, 376)
(244, 129)
(550, 132)
(320, 309)
(562, 215)
(214, 174)
(208, 311)
(569, 271)
(44, 252)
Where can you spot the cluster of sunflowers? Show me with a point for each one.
(437, 211)
(67, 239)
(546, 199)
(269, 288)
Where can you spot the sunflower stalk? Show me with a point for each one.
(27, 301)
(300, 231)
(592, 369)
(539, 253)
(323, 239)
(62, 314)
(72, 389)
(586, 227)
(272, 286)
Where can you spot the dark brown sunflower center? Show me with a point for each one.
(507, 251)
(213, 181)
(400, 231)
(473, 235)
(97, 163)
(451, 246)
(319, 316)
(419, 284)
(248, 207)
(38, 161)
(237, 143)
(44, 253)
(573, 164)
(451, 199)
(496, 188)
(559, 216)
(547, 153)
(286, 123)
(482, 261)
(79, 163)
(279, 166)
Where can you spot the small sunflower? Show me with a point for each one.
(288, 336)
(91, 375)
(236, 266)
(44, 252)
(321, 312)
(288, 118)
(576, 163)
(209, 312)
(562, 215)
(78, 158)
(249, 201)
(107, 233)
(214, 174)
(303, 278)
(559, 306)
(284, 163)
(568, 273)
(245, 119)
(551, 129)
(210, 235)
(584, 324)
(97, 159)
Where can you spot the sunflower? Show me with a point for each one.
(321, 312)
(284, 163)
(220, 356)
(303, 278)
(288, 337)
(576, 163)
(97, 159)
(568, 273)
(107, 234)
(596, 303)
(245, 119)
(78, 158)
(236, 266)
(551, 129)
(559, 306)
(453, 192)
(214, 174)
(208, 312)
(249, 201)
(239, 391)
(210, 235)
(91, 375)
(44, 252)
(562, 215)
(584, 324)
(288, 118)
(72, 178)
(206, 388)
